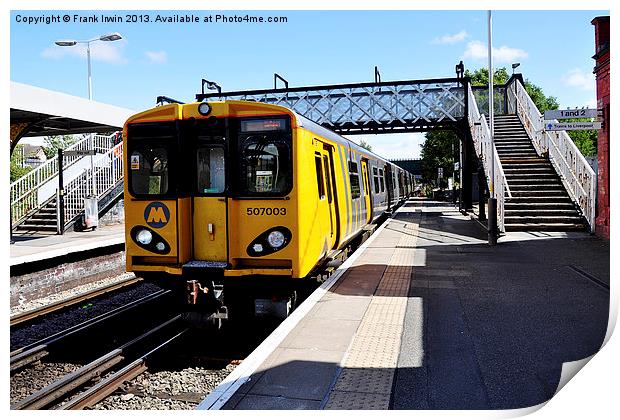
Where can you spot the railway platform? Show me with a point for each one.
(425, 315)
(43, 247)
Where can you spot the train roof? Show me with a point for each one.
(331, 135)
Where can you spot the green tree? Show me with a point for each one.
(480, 77)
(53, 143)
(365, 145)
(437, 152)
(17, 171)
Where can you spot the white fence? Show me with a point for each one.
(486, 151)
(108, 171)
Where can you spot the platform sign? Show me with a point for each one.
(596, 125)
(562, 114)
(79, 153)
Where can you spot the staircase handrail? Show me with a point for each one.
(24, 191)
(106, 177)
(486, 150)
(576, 174)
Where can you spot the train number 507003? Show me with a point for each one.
(266, 211)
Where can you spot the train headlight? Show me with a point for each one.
(276, 239)
(204, 108)
(160, 246)
(144, 237)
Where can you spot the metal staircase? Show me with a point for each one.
(539, 200)
(34, 197)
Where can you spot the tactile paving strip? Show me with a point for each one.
(365, 382)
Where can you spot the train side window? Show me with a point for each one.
(354, 177)
(382, 179)
(327, 179)
(375, 177)
(319, 177)
(211, 169)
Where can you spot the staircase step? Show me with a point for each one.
(544, 211)
(559, 227)
(41, 221)
(538, 193)
(529, 187)
(538, 199)
(529, 171)
(535, 182)
(542, 219)
(35, 227)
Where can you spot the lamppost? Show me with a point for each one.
(492, 211)
(114, 36)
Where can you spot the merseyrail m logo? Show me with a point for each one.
(156, 215)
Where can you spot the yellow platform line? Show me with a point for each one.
(365, 381)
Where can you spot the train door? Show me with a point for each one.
(210, 205)
(329, 181)
(389, 185)
(366, 181)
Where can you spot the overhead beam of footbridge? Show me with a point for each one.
(369, 108)
(41, 112)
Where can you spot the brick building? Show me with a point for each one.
(601, 70)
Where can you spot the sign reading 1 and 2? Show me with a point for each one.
(562, 114)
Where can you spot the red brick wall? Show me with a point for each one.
(601, 70)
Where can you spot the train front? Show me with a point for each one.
(210, 203)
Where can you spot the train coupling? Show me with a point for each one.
(207, 301)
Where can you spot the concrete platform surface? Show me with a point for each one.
(30, 249)
(427, 316)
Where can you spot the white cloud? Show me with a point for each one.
(477, 50)
(157, 57)
(451, 39)
(580, 79)
(109, 52)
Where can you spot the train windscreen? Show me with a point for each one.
(266, 157)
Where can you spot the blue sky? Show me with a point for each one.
(311, 48)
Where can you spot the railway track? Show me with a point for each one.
(45, 310)
(107, 372)
(36, 351)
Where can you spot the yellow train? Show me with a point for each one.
(243, 195)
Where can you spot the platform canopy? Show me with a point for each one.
(41, 112)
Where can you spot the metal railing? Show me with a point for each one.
(576, 174)
(485, 149)
(367, 107)
(25, 192)
(108, 172)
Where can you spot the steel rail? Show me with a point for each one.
(34, 313)
(68, 383)
(37, 350)
(106, 387)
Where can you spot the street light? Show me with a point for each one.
(114, 36)
(492, 210)
(514, 66)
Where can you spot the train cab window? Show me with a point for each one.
(319, 177)
(355, 180)
(265, 157)
(267, 167)
(149, 170)
(375, 177)
(210, 169)
(382, 179)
